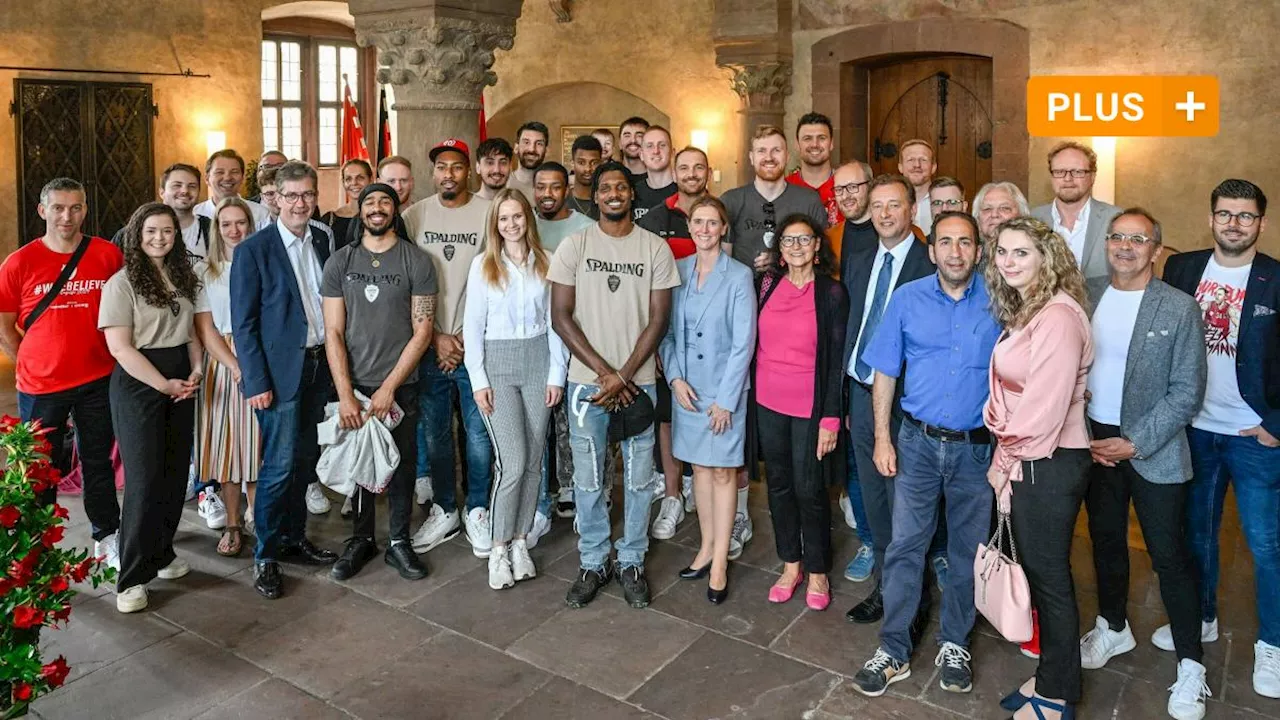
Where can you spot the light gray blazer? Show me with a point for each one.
(1095, 245)
(1164, 379)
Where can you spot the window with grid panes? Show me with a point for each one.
(302, 89)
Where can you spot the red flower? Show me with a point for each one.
(81, 570)
(51, 536)
(42, 445)
(9, 516)
(8, 423)
(60, 512)
(62, 613)
(5, 586)
(21, 692)
(20, 573)
(55, 673)
(43, 476)
(25, 616)
(59, 584)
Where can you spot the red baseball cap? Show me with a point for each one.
(453, 144)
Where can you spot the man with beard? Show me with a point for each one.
(670, 220)
(224, 172)
(917, 164)
(493, 165)
(850, 186)
(397, 172)
(1234, 438)
(813, 135)
(659, 182)
(630, 139)
(556, 219)
(379, 312)
(450, 227)
(606, 139)
(937, 334)
(1075, 214)
(587, 156)
(995, 203)
(610, 301)
(531, 147)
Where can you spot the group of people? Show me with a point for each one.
(941, 360)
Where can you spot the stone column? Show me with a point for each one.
(437, 55)
(763, 88)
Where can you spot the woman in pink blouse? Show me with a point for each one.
(803, 313)
(1036, 412)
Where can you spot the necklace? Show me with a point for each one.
(376, 257)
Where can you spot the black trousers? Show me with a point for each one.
(155, 436)
(1161, 510)
(877, 490)
(1045, 506)
(798, 497)
(400, 489)
(90, 406)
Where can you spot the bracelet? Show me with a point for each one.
(619, 375)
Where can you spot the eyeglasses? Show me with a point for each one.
(292, 198)
(850, 188)
(1224, 217)
(948, 204)
(1076, 173)
(770, 223)
(801, 240)
(1136, 239)
(270, 194)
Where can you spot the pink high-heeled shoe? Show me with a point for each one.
(781, 594)
(818, 600)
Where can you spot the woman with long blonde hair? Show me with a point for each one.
(1037, 413)
(517, 366)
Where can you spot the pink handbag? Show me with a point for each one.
(1000, 589)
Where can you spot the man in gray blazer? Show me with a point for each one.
(1075, 214)
(1146, 384)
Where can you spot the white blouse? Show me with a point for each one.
(520, 311)
(215, 295)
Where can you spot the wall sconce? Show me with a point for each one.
(1104, 184)
(700, 139)
(214, 140)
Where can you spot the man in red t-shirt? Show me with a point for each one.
(63, 365)
(813, 135)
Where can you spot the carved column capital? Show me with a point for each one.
(441, 63)
(761, 85)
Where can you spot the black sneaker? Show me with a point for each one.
(359, 550)
(956, 675)
(635, 588)
(587, 585)
(406, 562)
(868, 611)
(879, 673)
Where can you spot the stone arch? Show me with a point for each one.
(329, 10)
(840, 79)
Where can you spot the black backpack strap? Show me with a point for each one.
(67, 271)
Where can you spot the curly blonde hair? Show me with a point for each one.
(1058, 272)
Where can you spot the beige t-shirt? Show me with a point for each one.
(613, 278)
(452, 237)
(153, 327)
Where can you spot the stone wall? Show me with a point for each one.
(1172, 177)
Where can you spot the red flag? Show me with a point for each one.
(384, 119)
(353, 147)
(484, 124)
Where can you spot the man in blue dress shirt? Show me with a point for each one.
(939, 332)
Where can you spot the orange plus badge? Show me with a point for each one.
(1123, 106)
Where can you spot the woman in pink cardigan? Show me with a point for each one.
(1036, 412)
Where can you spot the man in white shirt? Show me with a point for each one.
(1075, 214)
(916, 162)
(531, 149)
(224, 172)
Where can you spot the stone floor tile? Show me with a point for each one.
(445, 563)
(1150, 663)
(662, 565)
(718, 676)
(97, 635)
(846, 703)
(562, 699)
(761, 552)
(746, 614)
(277, 700)
(607, 645)
(1142, 700)
(469, 606)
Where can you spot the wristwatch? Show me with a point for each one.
(1136, 455)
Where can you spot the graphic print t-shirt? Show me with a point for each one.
(613, 277)
(452, 237)
(1220, 295)
(379, 304)
(64, 348)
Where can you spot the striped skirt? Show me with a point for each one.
(228, 445)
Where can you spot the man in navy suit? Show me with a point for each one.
(1235, 438)
(278, 326)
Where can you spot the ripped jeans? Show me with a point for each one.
(588, 436)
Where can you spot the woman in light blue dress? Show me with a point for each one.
(707, 355)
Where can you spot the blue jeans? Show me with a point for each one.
(588, 436)
(1254, 469)
(289, 456)
(435, 436)
(854, 491)
(930, 469)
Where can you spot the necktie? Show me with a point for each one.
(878, 298)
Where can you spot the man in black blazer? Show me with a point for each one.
(1236, 435)
(870, 275)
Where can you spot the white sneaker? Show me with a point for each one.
(742, 532)
(1266, 670)
(521, 564)
(670, 515)
(108, 548)
(132, 599)
(422, 491)
(686, 490)
(174, 570)
(1163, 636)
(565, 507)
(846, 507)
(248, 522)
(541, 526)
(439, 527)
(317, 501)
(500, 575)
(1187, 693)
(210, 508)
(1102, 643)
(347, 510)
(191, 483)
(659, 487)
(479, 532)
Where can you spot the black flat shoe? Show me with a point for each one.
(305, 553)
(268, 580)
(692, 573)
(715, 597)
(355, 555)
(868, 611)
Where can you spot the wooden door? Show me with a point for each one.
(943, 99)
